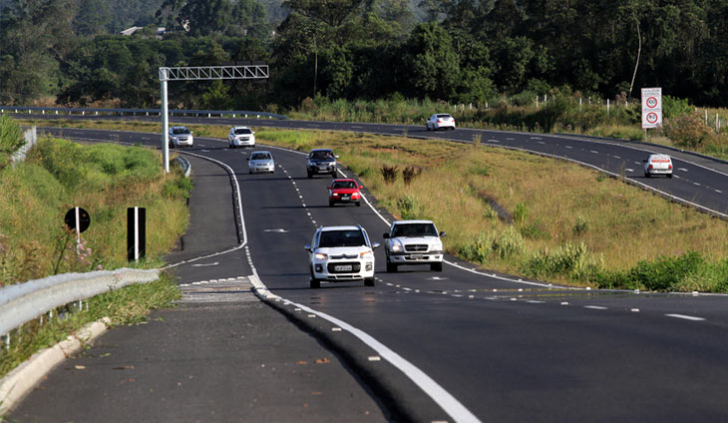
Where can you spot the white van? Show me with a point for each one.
(658, 164)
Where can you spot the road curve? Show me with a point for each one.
(505, 349)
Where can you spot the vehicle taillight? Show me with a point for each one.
(669, 167)
(439, 121)
(649, 167)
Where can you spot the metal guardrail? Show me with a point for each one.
(27, 301)
(136, 112)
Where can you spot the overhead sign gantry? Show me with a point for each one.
(200, 73)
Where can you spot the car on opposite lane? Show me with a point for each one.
(341, 254)
(321, 161)
(180, 136)
(658, 164)
(344, 191)
(440, 121)
(241, 136)
(261, 161)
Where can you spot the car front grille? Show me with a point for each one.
(415, 248)
(355, 267)
(344, 256)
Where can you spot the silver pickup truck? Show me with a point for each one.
(413, 242)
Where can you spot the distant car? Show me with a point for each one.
(321, 160)
(180, 136)
(344, 191)
(261, 161)
(241, 136)
(413, 242)
(341, 254)
(658, 164)
(440, 121)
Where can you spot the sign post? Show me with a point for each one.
(77, 219)
(136, 239)
(651, 108)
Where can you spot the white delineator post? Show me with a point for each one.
(163, 77)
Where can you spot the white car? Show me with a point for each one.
(413, 242)
(440, 121)
(180, 136)
(658, 164)
(241, 136)
(261, 161)
(341, 254)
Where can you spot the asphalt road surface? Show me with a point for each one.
(497, 348)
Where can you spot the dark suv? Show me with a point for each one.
(321, 160)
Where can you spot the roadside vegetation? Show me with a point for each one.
(104, 180)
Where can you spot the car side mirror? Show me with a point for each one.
(336, 157)
(328, 187)
(644, 160)
(385, 236)
(361, 186)
(307, 247)
(442, 234)
(375, 245)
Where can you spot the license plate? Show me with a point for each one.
(345, 198)
(417, 256)
(343, 268)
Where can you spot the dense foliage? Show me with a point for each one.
(464, 51)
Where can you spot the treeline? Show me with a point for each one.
(465, 51)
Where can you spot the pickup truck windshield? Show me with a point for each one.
(414, 229)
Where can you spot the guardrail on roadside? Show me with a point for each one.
(136, 112)
(30, 300)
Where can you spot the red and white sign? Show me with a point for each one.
(651, 107)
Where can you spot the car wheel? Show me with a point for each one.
(391, 268)
(171, 145)
(331, 203)
(250, 172)
(669, 175)
(310, 175)
(315, 283)
(358, 203)
(369, 282)
(333, 173)
(647, 174)
(436, 267)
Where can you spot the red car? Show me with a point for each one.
(344, 191)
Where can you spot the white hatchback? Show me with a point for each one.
(241, 136)
(341, 254)
(440, 121)
(180, 136)
(658, 164)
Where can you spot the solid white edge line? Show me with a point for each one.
(437, 393)
(685, 317)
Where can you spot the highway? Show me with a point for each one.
(486, 347)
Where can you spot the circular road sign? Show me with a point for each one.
(652, 117)
(652, 102)
(84, 220)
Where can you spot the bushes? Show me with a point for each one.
(572, 261)
(689, 130)
(506, 245)
(11, 139)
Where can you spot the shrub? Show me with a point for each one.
(389, 173)
(674, 107)
(519, 214)
(572, 261)
(666, 272)
(409, 208)
(688, 130)
(11, 139)
(581, 226)
(409, 173)
(506, 245)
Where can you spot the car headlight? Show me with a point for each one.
(365, 254)
(321, 256)
(396, 248)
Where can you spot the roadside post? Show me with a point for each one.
(651, 108)
(77, 219)
(136, 238)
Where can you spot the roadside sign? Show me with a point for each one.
(77, 219)
(651, 108)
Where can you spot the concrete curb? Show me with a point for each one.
(19, 382)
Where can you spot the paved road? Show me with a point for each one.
(503, 349)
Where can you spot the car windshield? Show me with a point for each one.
(342, 238)
(414, 229)
(444, 116)
(179, 131)
(343, 184)
(243, 131)
(322, 155)
(260, 156)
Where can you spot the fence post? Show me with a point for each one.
(581, 100)
(607, 106)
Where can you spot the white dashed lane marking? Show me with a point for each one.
(685, 317)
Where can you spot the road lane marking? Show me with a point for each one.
(593, 151)
(617, 157)
(682, 169)
(685, 317)
(596, 307)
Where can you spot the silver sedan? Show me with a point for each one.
(261, 161)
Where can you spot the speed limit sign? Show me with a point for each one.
(651, 107)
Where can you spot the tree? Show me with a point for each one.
(432, 62)
(92, 18)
